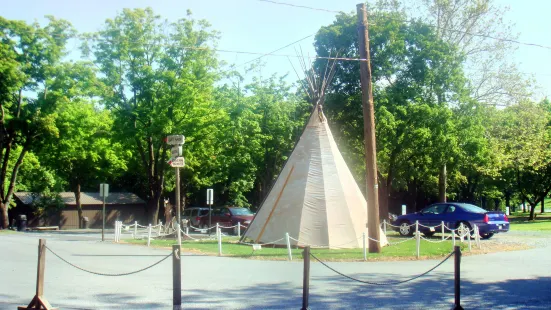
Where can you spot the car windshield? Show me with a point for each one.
(241, 211)
(203, 212)
(471, 208)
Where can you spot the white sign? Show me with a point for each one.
(175, 139)
(404, 209)
(177, 162)
(176, 151)
(103, 190)
(209, 196)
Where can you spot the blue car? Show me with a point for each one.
(452, 214)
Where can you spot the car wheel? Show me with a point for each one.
(486, 236)
(428, 233)
(406, 229)
(461, 231)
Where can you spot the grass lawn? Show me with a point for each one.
(230, 247)
(537, 225)
(7, 231)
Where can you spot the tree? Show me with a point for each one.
(522, 132)
(159, 80)
(29, 53)
(416, 76)
(83, 154)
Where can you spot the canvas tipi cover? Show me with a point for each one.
(315, 198)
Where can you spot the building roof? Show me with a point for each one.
(86, 198)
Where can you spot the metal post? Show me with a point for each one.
(219, 233)
(177, 190)
(457, 282)
(176, 277)
(443, 230)
(239, 229)
(103, 222)
(306, 278)
(418, 238)
(365, 250)
(288, 240)
(210, 217)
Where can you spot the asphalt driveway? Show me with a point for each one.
(507, 280)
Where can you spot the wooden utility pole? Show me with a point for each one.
(369, 133)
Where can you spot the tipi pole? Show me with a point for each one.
(275, 205)
(369, 132)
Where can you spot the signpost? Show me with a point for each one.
(177, 161)
(103, 192)
(209, 203)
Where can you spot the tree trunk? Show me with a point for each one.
(79, 206)
(523, 205)
(532, 210)
(542, 204)
(442, 184)
(508, 200)
(4, 215)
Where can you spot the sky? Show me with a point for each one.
(262, 27)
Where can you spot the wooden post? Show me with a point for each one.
(177, 190)
(38, 301)
(176, 277)
(306, 278)
(369, 132)
(457, 280)
(178, 233)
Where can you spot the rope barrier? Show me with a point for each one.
(432, 241)
(109, 274)
(383, 283)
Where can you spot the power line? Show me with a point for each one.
(299, 6)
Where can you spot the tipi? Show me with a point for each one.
(315, 199)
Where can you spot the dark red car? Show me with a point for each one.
(228, 216)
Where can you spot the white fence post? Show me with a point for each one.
(443, 230)
(160, 228)
(135, 229)
(477, 236)
(469, 238)
(219, 234)
(119, 231)
(461, 232)
(288, 240)
(239, 229)
(365, 250)
(418, 238)
(217, 227)
(179, 233)
(384, 226)
(187, 230)
(453, 237)
(149, 235)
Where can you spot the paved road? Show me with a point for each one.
(508, 280)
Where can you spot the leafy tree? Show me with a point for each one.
(29, 54)
(522, 132)
(84, 153)
(159, 79)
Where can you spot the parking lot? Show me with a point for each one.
(505, 280)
